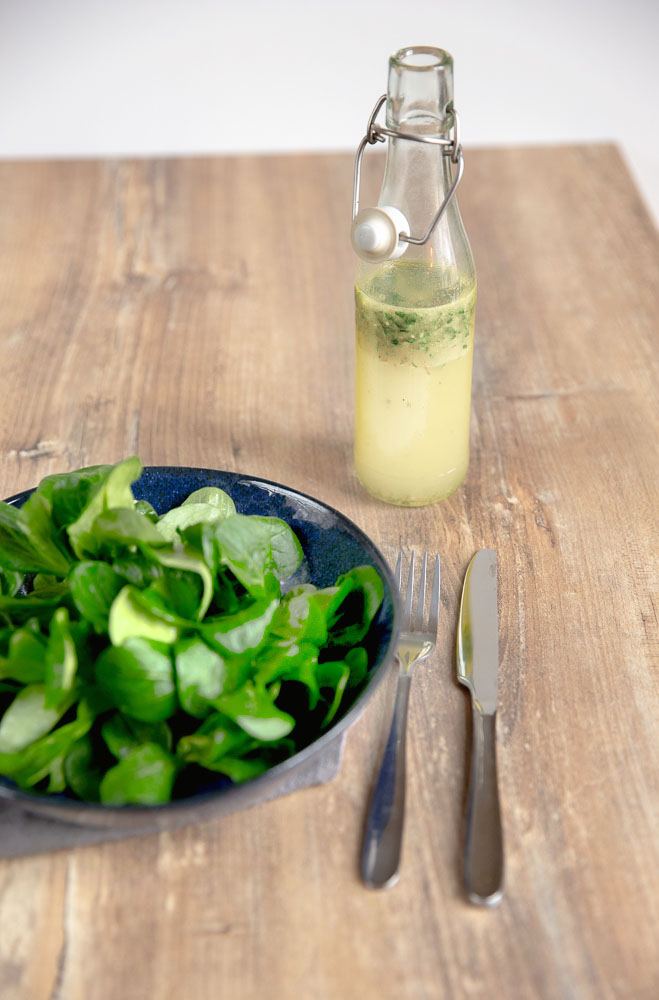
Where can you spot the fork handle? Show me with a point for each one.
(483, 859)
(384, 828)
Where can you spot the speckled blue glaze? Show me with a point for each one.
(332, 545)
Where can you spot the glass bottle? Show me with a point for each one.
(415, 308)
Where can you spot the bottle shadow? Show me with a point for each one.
(319, 465)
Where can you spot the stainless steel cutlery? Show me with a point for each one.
(384, 831)
(477, 663)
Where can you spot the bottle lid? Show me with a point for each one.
(376, 233)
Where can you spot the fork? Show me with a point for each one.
(384, 828)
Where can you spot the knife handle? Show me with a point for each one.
(384, 828)
(483, 860)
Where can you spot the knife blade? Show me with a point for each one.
(477, 662)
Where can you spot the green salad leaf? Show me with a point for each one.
(111, 490)
(144, 656)
(145, 776)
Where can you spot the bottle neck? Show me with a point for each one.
(418, 174)
(420, 91)
(417, 180)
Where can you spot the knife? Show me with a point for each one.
(477, 659)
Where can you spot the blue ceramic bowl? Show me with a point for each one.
(332, 545)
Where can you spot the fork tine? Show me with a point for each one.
(433, 620)
(399, 571)
(421, 604)
(407, 618)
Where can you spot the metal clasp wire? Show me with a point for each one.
(378, 133)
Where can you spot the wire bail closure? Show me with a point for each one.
(450, 147)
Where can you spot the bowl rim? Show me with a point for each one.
(55, 803)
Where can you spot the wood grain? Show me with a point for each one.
(199, 312)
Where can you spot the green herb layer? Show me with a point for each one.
(409, 314)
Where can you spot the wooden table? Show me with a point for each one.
(199, 312)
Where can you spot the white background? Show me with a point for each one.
(113, 77)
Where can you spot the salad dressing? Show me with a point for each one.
(412, 385)
(415, 294)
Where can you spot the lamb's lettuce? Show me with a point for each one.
(142, 656)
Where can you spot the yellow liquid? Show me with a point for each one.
(414, 352)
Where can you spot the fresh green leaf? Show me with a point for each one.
(26, 660)
(241, 632)
(201, 676)
(333, 675)
(301, 616)
(131, 616)
(82, 770)
(138, 678)
(61, 659)
(45, 584)
(146, 509)
(122, 734)
(94, 586)
(185, 559)
(174, 521)
(111, 491)
(175, 596)
(245, 549)
(29, 717)
(214, 739)
(117, 530)
(357, 660)
(29, 766)
(289, 661)
(285, 546)
(240, 769)
(145, 776)
(70, 492)
(251, 546)
(39, 604)
(11, 582)
(138, 568)
(355, 604)
(214, 496)
(28, 538)
(253, 709)
(17, 552)
(228, 593)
